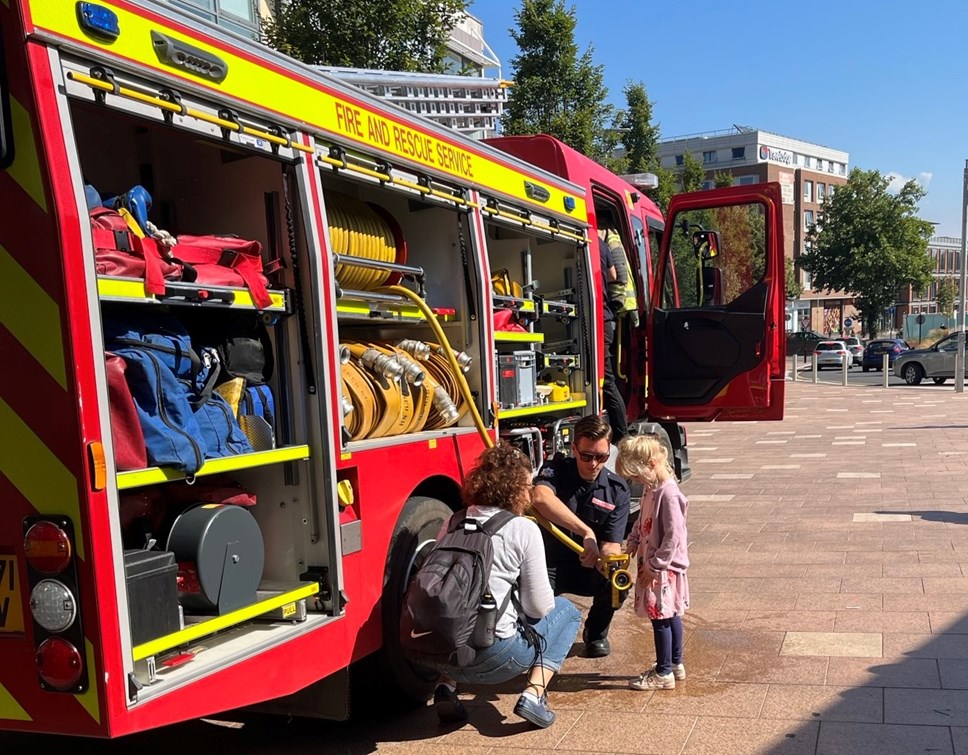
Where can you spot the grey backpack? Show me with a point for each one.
(441, 607)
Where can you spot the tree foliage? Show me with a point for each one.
(395, 35)
(692, 174)
(870, 243)
(945, 296)
(557, 91)
(640, 136)
(793, 287)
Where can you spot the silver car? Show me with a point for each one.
(832, 354)
(936, 362)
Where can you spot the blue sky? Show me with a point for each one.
(873, 79)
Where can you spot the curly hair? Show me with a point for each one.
(501, 478)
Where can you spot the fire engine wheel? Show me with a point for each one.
(413, 537)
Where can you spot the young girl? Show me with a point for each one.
(658, 541)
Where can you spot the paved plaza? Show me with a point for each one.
(830, 608)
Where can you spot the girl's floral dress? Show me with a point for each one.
(668, 594)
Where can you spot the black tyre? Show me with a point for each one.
(913, 373)
(413, 537)
(939, 380)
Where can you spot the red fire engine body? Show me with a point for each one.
(132, 598)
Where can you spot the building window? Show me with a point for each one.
(806, 280)
(819, 164)
(830, 168)
(746, 180)
(679, 160)
(808, 220)
(843, 169)
(709, 156)
(808, 191)
(739, 153)
(807, 161)
(707, 185)
(821, 188)
(239, 16)
(830, 191)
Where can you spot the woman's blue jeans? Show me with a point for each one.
(513, 656)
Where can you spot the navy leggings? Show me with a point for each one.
(668, 643)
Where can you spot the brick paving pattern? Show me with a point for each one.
(829, 607)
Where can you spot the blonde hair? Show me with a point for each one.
(636, 451)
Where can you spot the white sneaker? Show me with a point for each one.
(651, 680)
(678, 671)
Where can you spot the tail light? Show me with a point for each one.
(896, 349)
(59, 664)
(49, 549)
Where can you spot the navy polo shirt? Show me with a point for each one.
(602, 504)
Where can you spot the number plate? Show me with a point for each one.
(11, 607)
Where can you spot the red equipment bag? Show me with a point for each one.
(118, 251)
(226, 261)
(129, 441)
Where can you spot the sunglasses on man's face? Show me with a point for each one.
(588, 458)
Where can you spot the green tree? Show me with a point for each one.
(557, 91)
(870, 243)
(722, 179)
(640, 136)
(945, 296)
(692, 174)
(395, 35)
(793, 287)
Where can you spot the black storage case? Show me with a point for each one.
(151, 577)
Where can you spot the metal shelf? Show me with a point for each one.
(576, 402)
(151, 475)
(218, 623)
(186, 294)
(508, 336)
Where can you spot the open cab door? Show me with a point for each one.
(716, 342)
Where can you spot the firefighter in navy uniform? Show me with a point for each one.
(583, 497)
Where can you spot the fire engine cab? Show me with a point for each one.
(257, 326)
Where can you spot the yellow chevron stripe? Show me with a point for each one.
(26, 166)
(89, 699)
(32, 316)
(37, 473)
(10, 709)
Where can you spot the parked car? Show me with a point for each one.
(856, 349)
(831, 354)
(874, 352)
(802, 342)
(936, 362)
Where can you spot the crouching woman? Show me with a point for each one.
(535, 630)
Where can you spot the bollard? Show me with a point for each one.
(885, 367)
(846, 366)
(814, 368)
(794, 368)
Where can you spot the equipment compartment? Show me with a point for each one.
(201, 184)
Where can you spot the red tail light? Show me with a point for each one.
(896, 349)
(59, 664)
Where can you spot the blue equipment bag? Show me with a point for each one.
(172, 435)
(184, 421)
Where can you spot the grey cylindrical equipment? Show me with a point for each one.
(220, 557)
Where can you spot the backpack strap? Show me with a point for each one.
(492, 525)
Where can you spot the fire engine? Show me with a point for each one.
(178, 202)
